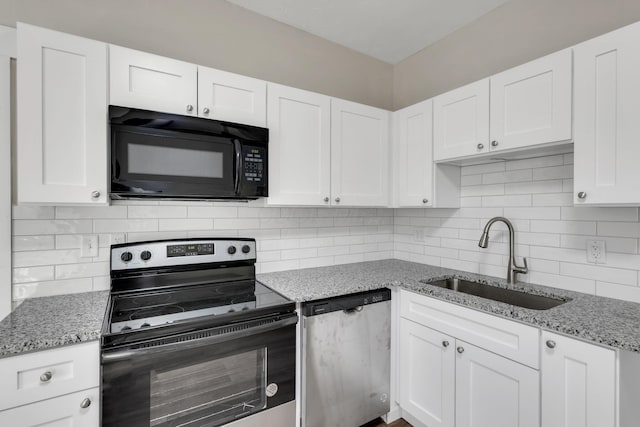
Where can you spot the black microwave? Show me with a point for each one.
(167, 156)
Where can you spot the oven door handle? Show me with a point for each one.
(126, 354)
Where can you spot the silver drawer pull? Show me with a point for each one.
(86, 402)
(445, 344)
(494, 143)
(326, 200)
(460, 350)
(582, 195)
(46, 377)
(480, 146)
(551, 344)
(95, 194)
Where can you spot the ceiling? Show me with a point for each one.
(389, 30)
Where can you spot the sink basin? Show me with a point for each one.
(517, 298)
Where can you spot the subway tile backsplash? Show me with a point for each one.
(536, 194)
(46, 240)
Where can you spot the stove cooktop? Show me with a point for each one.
(155, 308)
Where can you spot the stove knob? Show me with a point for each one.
(145, 325)
(231, 250)
(231, 310)
(245, 308)
(125, 328)
(126, 256)
(145, 255)
(246, 249)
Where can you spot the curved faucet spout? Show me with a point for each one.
(512, 268)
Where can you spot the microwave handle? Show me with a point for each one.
(126, 354)
(238, 153)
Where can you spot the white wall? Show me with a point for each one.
(536, 194)
(46, 252)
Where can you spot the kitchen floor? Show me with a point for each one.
(380, 423)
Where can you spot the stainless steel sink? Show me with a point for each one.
(509, 296)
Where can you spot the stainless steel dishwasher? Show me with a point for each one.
(346, 359)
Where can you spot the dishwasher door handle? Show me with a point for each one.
(354, 310)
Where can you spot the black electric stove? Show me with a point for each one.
(191, 338)
(174, 286)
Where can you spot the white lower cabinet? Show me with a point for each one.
(446, 382)
(427, 374)
(492, 391)
(80, 409)
(578, 383)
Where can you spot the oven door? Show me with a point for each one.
(148, 162)
(207, 378)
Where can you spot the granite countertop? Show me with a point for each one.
(602, 320)
(47, 322)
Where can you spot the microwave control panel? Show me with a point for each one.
(254, 164)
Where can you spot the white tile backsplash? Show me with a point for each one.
(46, 242)
(550, 231)
(536, 194)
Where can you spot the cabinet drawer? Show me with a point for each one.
(80, 409)
(41, 375)
(512, 340)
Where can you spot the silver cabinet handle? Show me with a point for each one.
(551, 344)
(326, 200)
(86, 402)
(337, 199)
(494, 143)
(425, 200)
(582, 195)
(46, 377)
(189, 108)
(205, 110)
(480, 146)
(95, 194)
(445, 343)
(460, 350)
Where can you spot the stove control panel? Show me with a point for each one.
(169, 253)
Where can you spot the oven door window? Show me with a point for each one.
(220, 390)
(155, 161)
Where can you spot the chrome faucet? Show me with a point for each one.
(512, 268)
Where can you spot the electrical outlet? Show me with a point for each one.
(596, 252)
(419, 235)
(89, 246)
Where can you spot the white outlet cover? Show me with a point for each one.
(596, 252)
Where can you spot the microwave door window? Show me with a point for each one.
(172, 161)
(158, 162)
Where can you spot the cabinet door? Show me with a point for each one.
(232, 98)
(62, 118)
(494, 391)
(607, 129)
(578, 383)
(531, 104)
(81, 409)
(461, 122)
(427, 374)
(299, 147)
(359, 154)
(152, 82)
(414, 148)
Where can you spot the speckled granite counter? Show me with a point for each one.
(602, 320)
(47, 322)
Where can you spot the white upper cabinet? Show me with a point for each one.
(525, 106)
(299, 147)
(607, 126)
(231, 97)
(359, 154)
(152, 82)
(62, 118)
(461, 121)
(578, 383)
(531, 104)
(413, 145)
